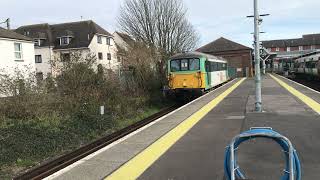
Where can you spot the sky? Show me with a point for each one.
(211, 18)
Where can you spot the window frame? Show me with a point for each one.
(179, 64)
(62, 42)
(109, 56)
(108, 41)
(20, 51)
(184, 62)
(36, 42)
(37, 60)
(288, 49)
(198, 64)
(39, 76)
(100, 57)
(63, 55)
(188, 64)
(99, 39)
(312, 47)
(213, 66)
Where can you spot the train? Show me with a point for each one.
(308, 65)
(194, 73)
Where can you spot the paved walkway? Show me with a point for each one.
(200, 153)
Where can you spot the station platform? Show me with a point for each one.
(189, 143)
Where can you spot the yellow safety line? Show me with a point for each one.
(137, 165)
(307, 100)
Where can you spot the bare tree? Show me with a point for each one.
(159, 23)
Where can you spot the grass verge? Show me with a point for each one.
(26, 143)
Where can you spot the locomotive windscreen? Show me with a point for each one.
(192, 64)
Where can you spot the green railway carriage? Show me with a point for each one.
(196, 72)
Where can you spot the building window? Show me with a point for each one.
(99, 39)
(288, 49)
(38, 42)
(65, 57)
(300, 48)
(65, 40)
(108, 41)
(39, 76)
(109, 56)
(277, 49)
(313, 47)
(100, 56)
(18, 51)
(38, 58)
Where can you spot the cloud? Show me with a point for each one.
(211, 18)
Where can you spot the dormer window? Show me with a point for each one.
(38, 42)
(65, 40)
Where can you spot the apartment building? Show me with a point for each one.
(123, 42)
(16, 52)
(57, 43)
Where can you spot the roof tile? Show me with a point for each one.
(4, 33)
(221, 45)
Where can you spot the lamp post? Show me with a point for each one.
(258, 103)
(257, 22)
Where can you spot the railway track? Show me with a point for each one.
(314, 84)
(63, 161)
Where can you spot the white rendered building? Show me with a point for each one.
(16, 52)
(58, 41)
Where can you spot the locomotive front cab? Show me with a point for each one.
(185, 74)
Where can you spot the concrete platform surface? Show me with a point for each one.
(200, 153)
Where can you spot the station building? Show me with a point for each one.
(237, 55)
(286, 50)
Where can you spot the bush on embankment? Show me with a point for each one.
(44, 119)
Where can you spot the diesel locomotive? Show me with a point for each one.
(194, 73)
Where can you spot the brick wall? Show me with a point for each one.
(296, 48)
(241, 60)
(306, 47)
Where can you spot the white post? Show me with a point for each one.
(101, 110)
